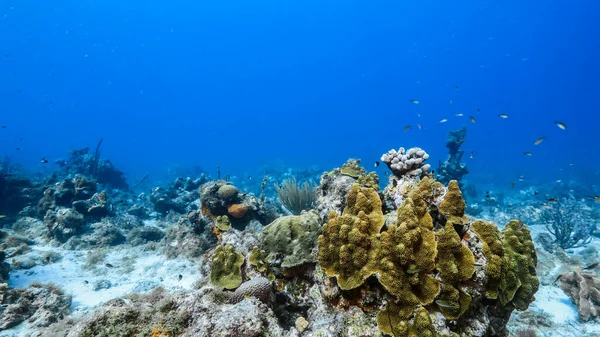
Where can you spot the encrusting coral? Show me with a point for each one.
(226, 267)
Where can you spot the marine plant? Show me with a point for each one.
(296, 197)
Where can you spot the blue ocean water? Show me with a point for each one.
(245, 85)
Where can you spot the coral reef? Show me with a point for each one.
(226, 267)
(40, 305)
(64, 223)
(82, 162)
(291, 239)
(408, 254)
(179, 197)
(17, 192)
(409, 163)
(452, 168)
(220, 198)
(584, 290)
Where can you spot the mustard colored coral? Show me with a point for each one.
(494, 253)
(349, 245)
(455, 261)
(405, 321)
(408, 251)
(519, 281)
(226, 267)
(510, 269)
(453, 206)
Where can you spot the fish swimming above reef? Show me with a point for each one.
(539, 140)
(376, 164)
(473, 120)
(414, 101)
(503, 116)
(459, 115)
(472, 155)
(44, 161)
(408, 127)
(443, 120)
(527, 153)
(594, 198)
(560, 125)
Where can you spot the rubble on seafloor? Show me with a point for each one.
(203, 258)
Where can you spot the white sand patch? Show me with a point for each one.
(133, 270)
(554, 301)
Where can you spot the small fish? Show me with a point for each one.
(47, 259)
(3, 126)
(512, 185)
(560, 125)
(386, 173)
(109, 265)
(594, 198)
(414, 101)
(179, 277)
(528, 154)
(419, 126)
(376, 164)
(446, 304)
(521, 178)
(472, 155)
(86, 282)
(457, 87)
(450, 101)
(44, 161)
(503, 116)
(408, 127)
(395, 182)
(546, 206)
(478, 111)
(2, 216)
(559, 181)
(592, 266)
(18, 149)
(443, 120)
(249, 177)
(536, 193)
(539, 140)
(473, 120)
(459, 115)
(20, 139)
(552, 200)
